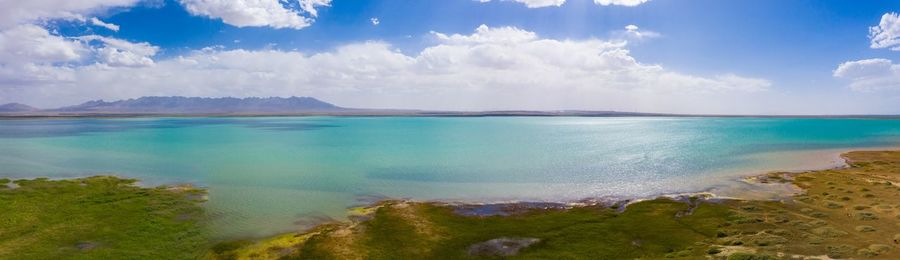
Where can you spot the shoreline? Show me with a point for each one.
(395, 113)
(832, 155)
(746, 230)
(735, 187)
(844, 212)
(772, 192)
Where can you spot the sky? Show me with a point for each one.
(669, 56)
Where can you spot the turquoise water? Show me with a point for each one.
(274, 174)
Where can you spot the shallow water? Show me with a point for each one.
(275, 174)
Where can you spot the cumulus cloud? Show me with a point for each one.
(374, 21)
(98, 22)
(240, 13)
(31, 54)
(491, 68)
(31, 43)
(620, 2)
(633, 32)
(870, 74)
(256, 13)
(535, 3)
(541, 3)
(17, 12)
(309, 6)
(887, 33)
(549, 3)
(485, 34)
(117, 52)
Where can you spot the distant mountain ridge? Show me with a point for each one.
(16, 107)
(299, 106)
(193, 105)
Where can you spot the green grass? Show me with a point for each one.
(99, 217)
(648, 229)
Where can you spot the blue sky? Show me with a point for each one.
(758, 56)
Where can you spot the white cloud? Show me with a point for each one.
(309, 6)
(541, 3)
(870, 74)
(256, 13)
(485, 34)
(14, 12)
(98, 22)
(374, 21)
(887, 33)
(31, 43)
(633, 32)
(620, 2)
(549, 3)
(117, 52)
(30, 54)
(240, 13)
(492, 68)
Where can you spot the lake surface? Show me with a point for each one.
(274, 174)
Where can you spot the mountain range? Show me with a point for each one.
(16, 107)
(188, 105)
(274, 106)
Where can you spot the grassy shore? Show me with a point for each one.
(99, 218)
(841, 213)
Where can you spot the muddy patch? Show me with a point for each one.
(506, 209)
(85, 246)
(501, 246)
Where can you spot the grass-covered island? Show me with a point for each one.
(842, 213)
